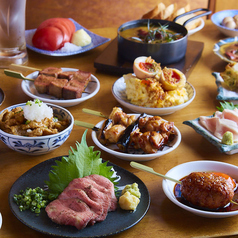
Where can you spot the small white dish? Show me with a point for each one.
(224, 94)
(135, 156)
(185, 169)
(198, 28)
(217, 20)
(227, 149)
(96, 41)
(119, 92)
(29, 89)
(217, 49)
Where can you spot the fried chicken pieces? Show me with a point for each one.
(149, 134)
(208, 190)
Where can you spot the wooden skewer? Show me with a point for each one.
(87, 125)
(151, 170)
(16, 75)
(93, 112)
(22, 67)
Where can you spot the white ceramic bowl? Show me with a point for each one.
(29, 89)
(119, 92)
(41, 144)
(113, 149)
(185, 169)
(217, 20)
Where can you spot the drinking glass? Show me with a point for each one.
(12, 32)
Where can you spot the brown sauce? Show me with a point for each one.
(154, 35)
(230, 51)
(229, 208)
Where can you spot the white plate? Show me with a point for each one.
(220, 43)
(96, 41)
(119, 92)
(227, 149)
(185, 169)
(0, 220)
(113, 149)
(198, 28)
(224, 94)
(29, 89)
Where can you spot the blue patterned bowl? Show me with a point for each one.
(41, 144)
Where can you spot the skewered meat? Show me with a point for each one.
(124, 140)
(84, 202)
(119, 117)
(113, 134)
(149, 141)
(67, 85)
(207, 190)
(147, 133)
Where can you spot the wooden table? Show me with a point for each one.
(164, 219)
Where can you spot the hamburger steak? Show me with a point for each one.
(84, 202)
(207, 190)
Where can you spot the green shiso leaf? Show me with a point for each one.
(227, 105)
(81, 162)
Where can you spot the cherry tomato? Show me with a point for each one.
(48, 38)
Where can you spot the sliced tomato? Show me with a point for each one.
(64, 24)
(48, 38)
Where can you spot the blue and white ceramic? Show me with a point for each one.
(217, 48)
(96, 41)
(224, 94)
(227, 149)
(119, 92)
(41, 144)
(217, 20)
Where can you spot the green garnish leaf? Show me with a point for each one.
(227, 105)
(81, 162)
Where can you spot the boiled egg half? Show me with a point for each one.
(145, 67)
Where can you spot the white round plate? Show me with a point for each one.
(0, 220)
(134, 155)
(119, 92)
(220, 43)
(96, 41)
(185, 169)
(29, 89)
(217, 20)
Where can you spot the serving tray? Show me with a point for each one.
(110, 61)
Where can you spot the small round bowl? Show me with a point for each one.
(217, 20)
(185, 169)
(41, 144)
(134, 155)
(119, 92)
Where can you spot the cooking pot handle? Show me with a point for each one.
(207, 12)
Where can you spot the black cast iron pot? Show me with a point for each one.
(164, 53)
